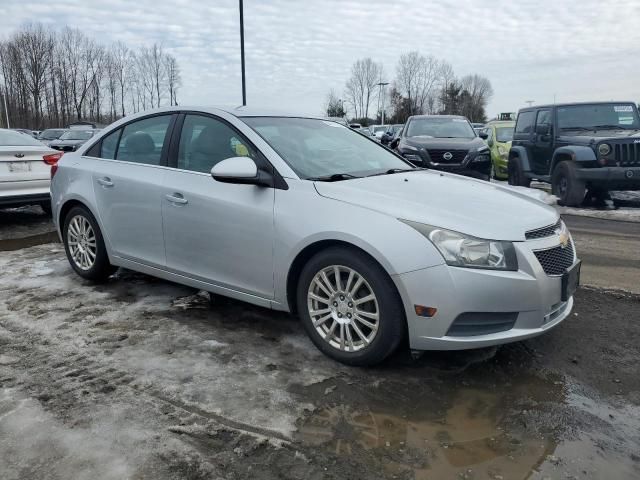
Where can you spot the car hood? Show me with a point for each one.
(587, 138)
(473, 207)
(446, 143)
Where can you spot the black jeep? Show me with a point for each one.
(577, 147)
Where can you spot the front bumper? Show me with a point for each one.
(529, 294)
(611, 178)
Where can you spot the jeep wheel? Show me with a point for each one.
(516, 173)
(566, 186)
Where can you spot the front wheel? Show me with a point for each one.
(84, 245)
(566, 186)
(516, 173)
(350, 307)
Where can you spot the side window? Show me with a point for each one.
(489, 132)
(109, 144)
(544, 118)
(142, 141)
(205, 141)
(525, 122)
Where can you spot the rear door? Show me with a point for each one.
(523, 133)
(127, 181)
(220, 233)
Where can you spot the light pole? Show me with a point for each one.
(244, 89)
(382, 92)
(530, 102)
(6, 108)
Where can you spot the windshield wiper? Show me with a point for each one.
(617, 127)
(584, 129)
(391, 171)
(336, 177)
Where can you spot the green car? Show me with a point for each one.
(499, 136)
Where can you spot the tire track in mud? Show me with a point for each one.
(60, 379)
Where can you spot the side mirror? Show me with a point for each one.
(483, 135)
(542, 129)
(241, 170)
(394, 143)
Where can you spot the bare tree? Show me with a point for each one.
(361, 88)
(479, 92)
(174, 81)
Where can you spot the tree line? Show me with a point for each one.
(51, 78)
(423, 84)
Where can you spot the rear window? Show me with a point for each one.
(9, 138)
(525, 122)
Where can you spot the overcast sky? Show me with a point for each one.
(296, 50)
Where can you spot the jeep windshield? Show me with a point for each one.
(440, 128)
(602, 116)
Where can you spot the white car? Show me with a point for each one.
(25, 170)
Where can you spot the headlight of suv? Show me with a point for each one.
(502, 151)
(461, 250)
(604, 149)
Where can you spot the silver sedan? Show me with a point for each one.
(307, 216)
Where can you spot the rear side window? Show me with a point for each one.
(109, 145)
(142, 141)
(525, 122)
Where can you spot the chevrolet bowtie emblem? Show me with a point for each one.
(564, 240)
(19, 155)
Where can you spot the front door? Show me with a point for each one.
(542, 143)
(127, 180)
(216, 232)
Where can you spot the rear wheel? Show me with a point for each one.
(350, 307)
(564, 185)
(516, 173)
(84, 245)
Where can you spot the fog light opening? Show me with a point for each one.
(423, 311)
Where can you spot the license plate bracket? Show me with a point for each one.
(570, 281)
(19, 167)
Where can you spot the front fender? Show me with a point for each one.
(577, 153)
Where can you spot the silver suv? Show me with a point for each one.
(305, 215)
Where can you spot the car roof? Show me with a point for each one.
(574, 104)
(438, 116)
(501, 123)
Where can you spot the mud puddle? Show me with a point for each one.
(9, 244)
(503, 431)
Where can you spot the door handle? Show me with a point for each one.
(105, 182)
(176, 198)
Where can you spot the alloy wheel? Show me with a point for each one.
(82, 243)
(343, 308)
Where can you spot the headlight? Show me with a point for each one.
(604, 149)
(409, 147)
(502, 151)
(483, 149)
(461, 250)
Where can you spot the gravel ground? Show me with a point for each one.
(140, 378)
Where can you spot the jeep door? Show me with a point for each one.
(219, 233)
(542, 147)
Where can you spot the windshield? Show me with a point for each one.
(77, 135)
(504, 134)
(318, 148)
(9, 138)
(609, 115)
(51, 134)
(440, 128)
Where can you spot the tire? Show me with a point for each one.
(362, 345)
(516, 173)
(492, 173)
(564, 185)
(80, 226)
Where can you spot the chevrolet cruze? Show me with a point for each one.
(307, 216)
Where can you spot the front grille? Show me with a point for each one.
(542, 232)
(457, 156)
(627, 154)
(469, 324)
(556, 260)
